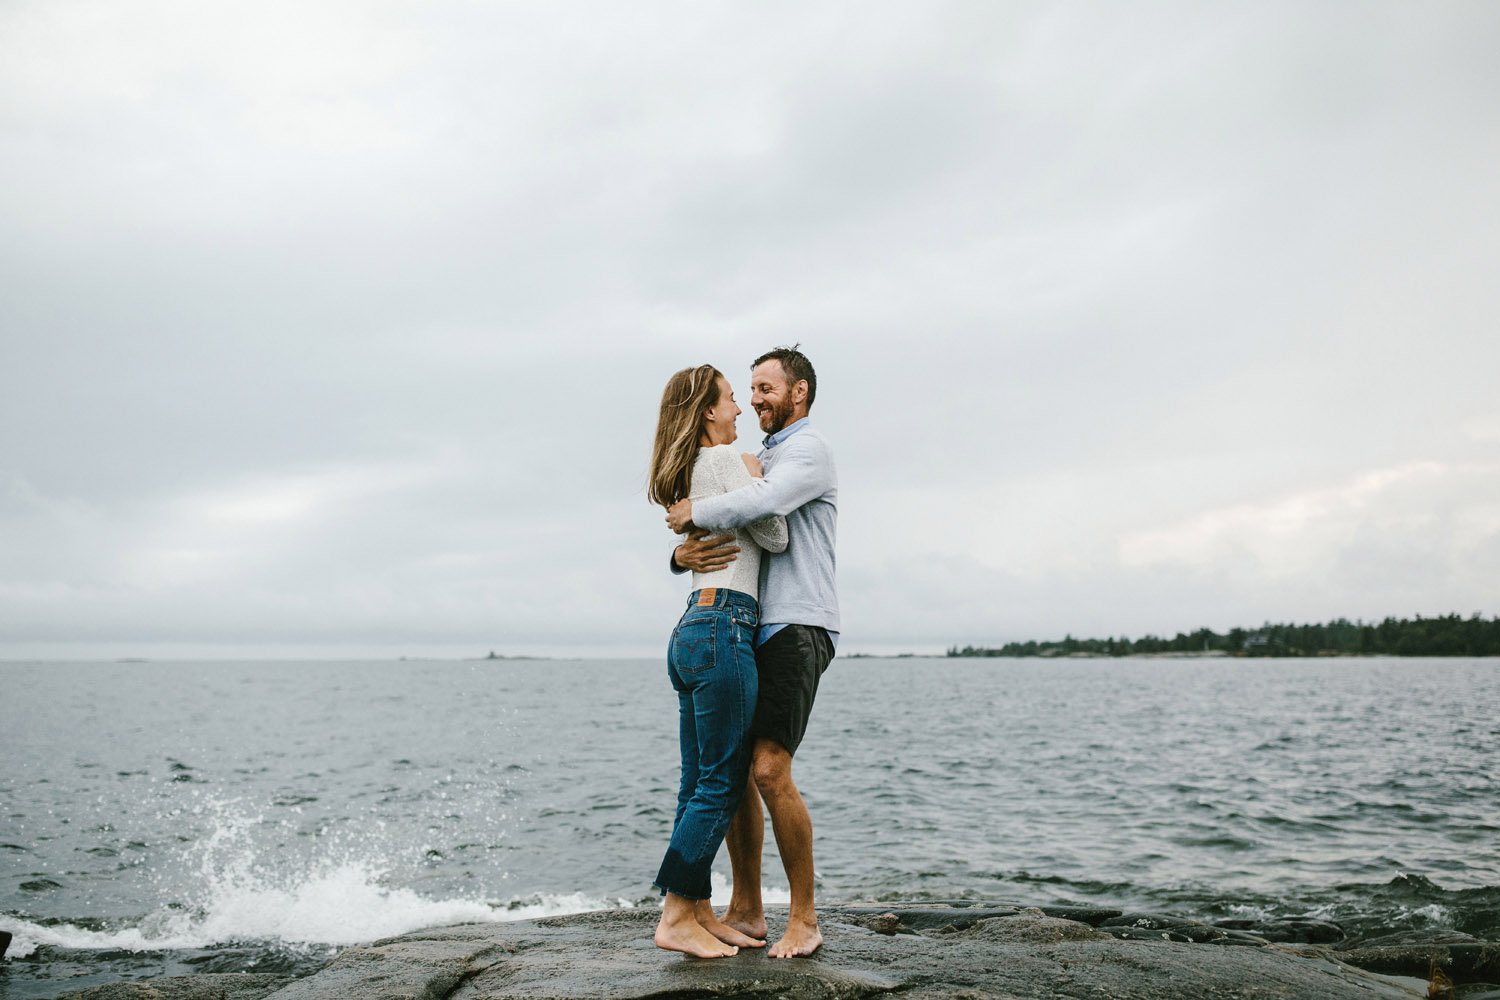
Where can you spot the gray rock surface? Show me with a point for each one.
(975, 952)
(1460, 956)
(1464, 963)
(1295, 930)
(225, 986)
(1164, 927)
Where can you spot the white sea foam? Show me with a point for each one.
(344, 906)
(1432, 913)
(341, 907)
(720, 888)
(338, 898)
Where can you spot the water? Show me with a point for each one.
(160, 818)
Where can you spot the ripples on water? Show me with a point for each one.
(157, 817)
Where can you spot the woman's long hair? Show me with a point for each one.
(688, 396)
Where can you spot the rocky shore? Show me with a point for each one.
(957, 951)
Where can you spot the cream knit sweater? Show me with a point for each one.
(719, 470)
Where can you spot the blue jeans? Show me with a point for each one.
(711, 662)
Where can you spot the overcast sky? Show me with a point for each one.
(339, 328)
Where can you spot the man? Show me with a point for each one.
(795, 642)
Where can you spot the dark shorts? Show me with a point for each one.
(790, 664)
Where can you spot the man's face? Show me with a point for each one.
(770, 396)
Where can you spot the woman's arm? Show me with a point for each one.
(738, 472)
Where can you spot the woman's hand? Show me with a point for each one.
(753, 464)
(680, 516)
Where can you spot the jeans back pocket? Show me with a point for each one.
(693, 643)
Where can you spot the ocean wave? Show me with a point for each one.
(337, 898)
(340, 907)
(344, 906)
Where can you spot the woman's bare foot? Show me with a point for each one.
(704, 913)
(679, 930)
(691, 939)
(754, 927)
(801, 938)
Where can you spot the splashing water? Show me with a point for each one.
(337, 899)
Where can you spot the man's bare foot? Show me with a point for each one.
(719, 929)
(801, 938)
(689, 937)
(751, 926)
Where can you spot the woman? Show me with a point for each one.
(710, 659)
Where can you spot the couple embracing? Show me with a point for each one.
(746, 656)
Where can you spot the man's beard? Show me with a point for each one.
(780, 417)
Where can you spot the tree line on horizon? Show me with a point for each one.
(1445, 635)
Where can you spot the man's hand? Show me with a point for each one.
(680, 516)
(705, 553)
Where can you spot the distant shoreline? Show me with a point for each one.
(1445, 635)
(1212, 654)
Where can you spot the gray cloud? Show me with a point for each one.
(342, 326)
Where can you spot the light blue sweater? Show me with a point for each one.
(796, 586)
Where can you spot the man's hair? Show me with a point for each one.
(796, 366)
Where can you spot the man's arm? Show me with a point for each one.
(738, 471)
(803, 474)
(704, 553)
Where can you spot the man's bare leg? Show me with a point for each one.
(746, 839)
(679, 930)
(704, 912)
(772, 769)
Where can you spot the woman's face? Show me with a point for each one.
(718, 422)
